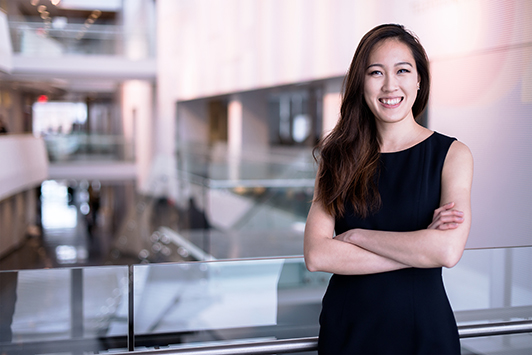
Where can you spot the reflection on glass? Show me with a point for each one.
(41, 293)
(205, 296)
(55, 306)
(105, 301)
(491, 278)
(228, 300)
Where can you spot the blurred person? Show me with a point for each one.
(391, 207)
(3, 126)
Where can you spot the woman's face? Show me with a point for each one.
(391, 82)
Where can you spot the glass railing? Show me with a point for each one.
(35, 38)
(195, 304)
(219, 166)
(80, 146)
(492, 286)
(56, 310)
(251, 205)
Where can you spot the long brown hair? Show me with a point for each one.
(349, 155)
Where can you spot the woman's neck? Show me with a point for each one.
(396, 137)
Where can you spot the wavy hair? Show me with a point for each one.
(349, 156)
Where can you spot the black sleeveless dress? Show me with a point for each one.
(397, 312)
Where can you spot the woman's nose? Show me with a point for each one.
(389, 84)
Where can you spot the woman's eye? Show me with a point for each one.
(375, 72)
(403, 71)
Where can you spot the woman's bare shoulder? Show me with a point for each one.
(458, 164)
(461, 151)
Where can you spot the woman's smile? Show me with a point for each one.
(391, 102)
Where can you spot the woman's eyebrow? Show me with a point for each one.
(375, 65)
(404, 63)
(396, 65)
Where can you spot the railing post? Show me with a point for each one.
(131, 309)
(76, 303)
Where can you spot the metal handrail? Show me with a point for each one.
(285, 346)
(492, 329)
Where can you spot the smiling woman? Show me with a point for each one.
(391, 208)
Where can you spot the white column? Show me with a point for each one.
(167, 74)
(162, 170)
(137, 116)
(234, 137)
(137, 95)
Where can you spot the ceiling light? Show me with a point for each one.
(55, 2)
(41, 8)
(34, 2)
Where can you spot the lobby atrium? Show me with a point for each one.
(158, 168)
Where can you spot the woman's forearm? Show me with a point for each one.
(338, 257)
(423, 248)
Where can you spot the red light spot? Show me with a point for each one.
(42, 98)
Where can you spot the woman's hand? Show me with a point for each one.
(346, 236)
(446, 217)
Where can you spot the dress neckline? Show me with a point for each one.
(412, 147)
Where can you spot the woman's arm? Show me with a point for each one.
(325, 253)
(443, 242)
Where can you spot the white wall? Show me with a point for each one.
(24, 166)
(482, 95)
(235, 45)
(481, 65)
(24, 163)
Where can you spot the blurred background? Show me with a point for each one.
(140, 132)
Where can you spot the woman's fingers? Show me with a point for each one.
(446, 226)
(443, 208)
(452, 216)
(446, 218)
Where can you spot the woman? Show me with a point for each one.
(391, 208)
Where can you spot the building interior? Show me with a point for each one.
(158, 167)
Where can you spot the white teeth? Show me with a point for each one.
(391, 101)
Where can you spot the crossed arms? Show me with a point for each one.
(360, 251)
